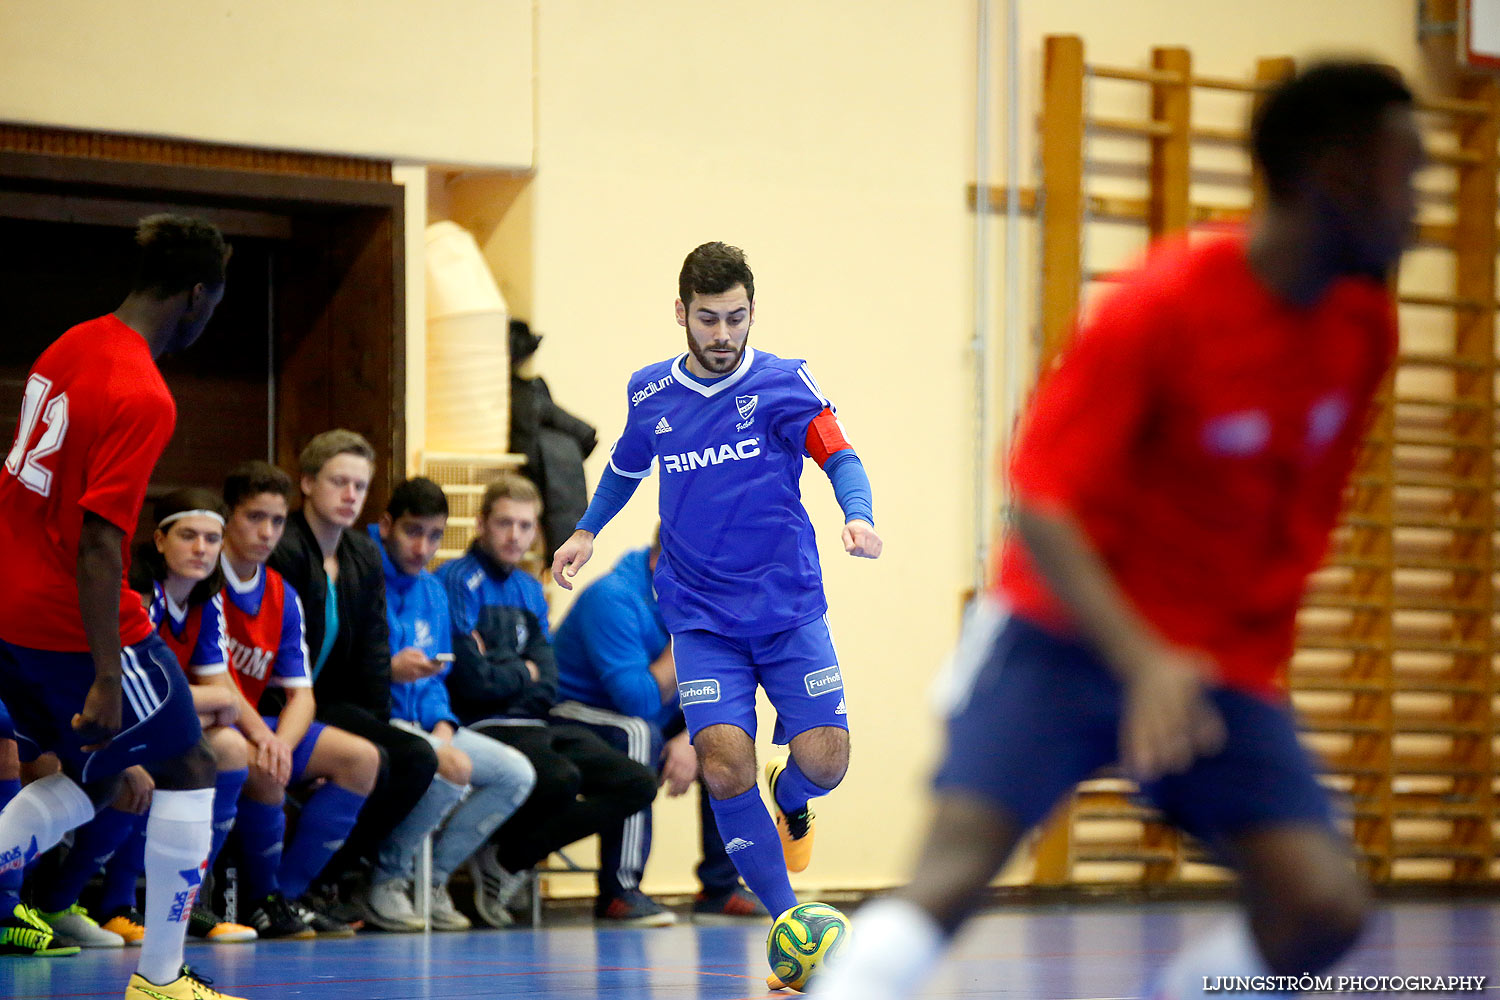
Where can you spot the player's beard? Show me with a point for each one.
(711, 363)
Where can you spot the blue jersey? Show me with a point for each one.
(738, 553)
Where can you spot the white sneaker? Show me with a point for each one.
(79, 928)
(389, 906)
(494, 887)
(445, 916)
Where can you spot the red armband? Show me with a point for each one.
(825, 436)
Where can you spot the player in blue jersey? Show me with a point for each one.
(738, 580)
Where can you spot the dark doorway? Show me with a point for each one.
(55, 275)
(310, 334)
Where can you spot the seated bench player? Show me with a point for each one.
(504, 684)
(480, 781)
(337, 573)
(267, 643)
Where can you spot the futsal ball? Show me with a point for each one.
(802, 939)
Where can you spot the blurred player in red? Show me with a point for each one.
(1176, 481)
(81, 668)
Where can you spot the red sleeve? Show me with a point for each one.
(825, 435)
(1088, 410)
(123, 457)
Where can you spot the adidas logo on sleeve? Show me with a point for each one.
(662, 427)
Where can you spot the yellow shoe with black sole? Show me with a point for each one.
(796, 829)
(188, 986)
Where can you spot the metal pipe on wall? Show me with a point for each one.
(980, 344)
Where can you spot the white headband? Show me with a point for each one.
(191, 513)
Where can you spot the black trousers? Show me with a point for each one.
(407, 765)
(583, 786)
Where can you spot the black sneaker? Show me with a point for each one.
(322, 923)
(633, 908)
(274, 918)
(736, 905)
(337, 901)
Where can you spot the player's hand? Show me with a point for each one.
(534, 671)
(1168, 720)
(571, 557)
(679, 765)
(99, 721)
(136, 786)
(273, 755)
(411, 664)
(860, 540)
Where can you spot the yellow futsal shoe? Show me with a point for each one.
(772, 983)
(188, 986)
(796, 829)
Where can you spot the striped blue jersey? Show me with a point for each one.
(739, 557)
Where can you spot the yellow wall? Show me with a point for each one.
(446, 82)
(832, 139)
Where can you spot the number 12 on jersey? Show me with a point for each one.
(26, 466)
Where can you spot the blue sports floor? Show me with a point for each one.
(1055, 952)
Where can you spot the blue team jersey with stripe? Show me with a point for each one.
(739, 557)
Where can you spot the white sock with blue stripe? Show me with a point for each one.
(36, 819)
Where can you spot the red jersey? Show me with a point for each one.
(267, 638)
(1201, 431)
(195, 635)
(95, 417)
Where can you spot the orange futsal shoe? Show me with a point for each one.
(796, 828)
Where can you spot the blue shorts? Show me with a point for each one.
(303, 751)
(1033, 714)
(7, 727)
(44, 689)
(717, 675)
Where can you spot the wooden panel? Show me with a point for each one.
(181, 153)
(340, 360)
(1171, 153)
(1062, 174)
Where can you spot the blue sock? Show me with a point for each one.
(327, 818)
(262, 830)
(94, 843)
(123, 872)
(754, 846)
(10, 881)
(227, 785)
(794, 789)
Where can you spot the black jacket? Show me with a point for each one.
(555, 444)
(358, 671)
(505, 609)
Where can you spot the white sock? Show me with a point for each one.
(1227, 950)
(892, 947)
(178, 831)
(36, 819)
